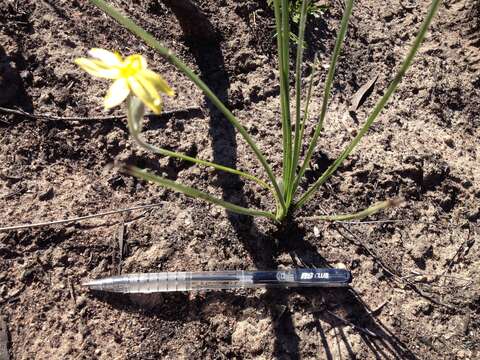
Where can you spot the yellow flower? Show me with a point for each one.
(130, 75)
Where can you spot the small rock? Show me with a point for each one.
(47, 195)
(45, 98)
(434, 174)
(251, 336)
(284, 259)
(59, 257)
(81, 301)
(316, 231)
(421, 251)
(26, 76)
(116, 182)
(424, 308)
(302, 320)
(466, 183)
(474, 214)
(28, 274)
(112, 138)
(449, 141)
(355, 263)
(215, 212)
(389, 15)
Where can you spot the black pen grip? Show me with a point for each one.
(304, 277)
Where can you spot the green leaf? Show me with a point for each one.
(298, 96)
(189, 191)
(326, 94)
(358, 215)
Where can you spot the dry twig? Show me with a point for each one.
(164, 115)
(80, 218)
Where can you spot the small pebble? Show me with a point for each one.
(81, 301)
(449, 141)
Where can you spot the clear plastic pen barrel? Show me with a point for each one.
(169, 281)
(210, 280)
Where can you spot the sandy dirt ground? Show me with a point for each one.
(416, 288)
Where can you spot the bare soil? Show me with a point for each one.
(416, 288)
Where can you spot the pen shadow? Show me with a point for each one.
(337, 312)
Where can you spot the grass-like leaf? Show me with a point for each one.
(189, 191)
(358, 215)
(326, 94)
(298, 99)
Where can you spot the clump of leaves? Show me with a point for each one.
(314, 8)
(139, 87)
(295, 10)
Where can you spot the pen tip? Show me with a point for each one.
(89, 283)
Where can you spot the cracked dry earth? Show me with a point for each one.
(416, 288)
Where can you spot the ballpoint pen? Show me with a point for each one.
(216, 280)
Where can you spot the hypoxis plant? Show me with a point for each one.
(140, 87)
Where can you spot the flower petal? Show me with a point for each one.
(97, 68)
(157, 81)
(136, 61)
(146, 92)
(117, 93)
(107, 57)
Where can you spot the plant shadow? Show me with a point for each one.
(337, 307)
(204, 43)
(12, 86)
(336, 313)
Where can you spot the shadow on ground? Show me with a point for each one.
(12, 87)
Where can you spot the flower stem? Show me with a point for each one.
(136, 135)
